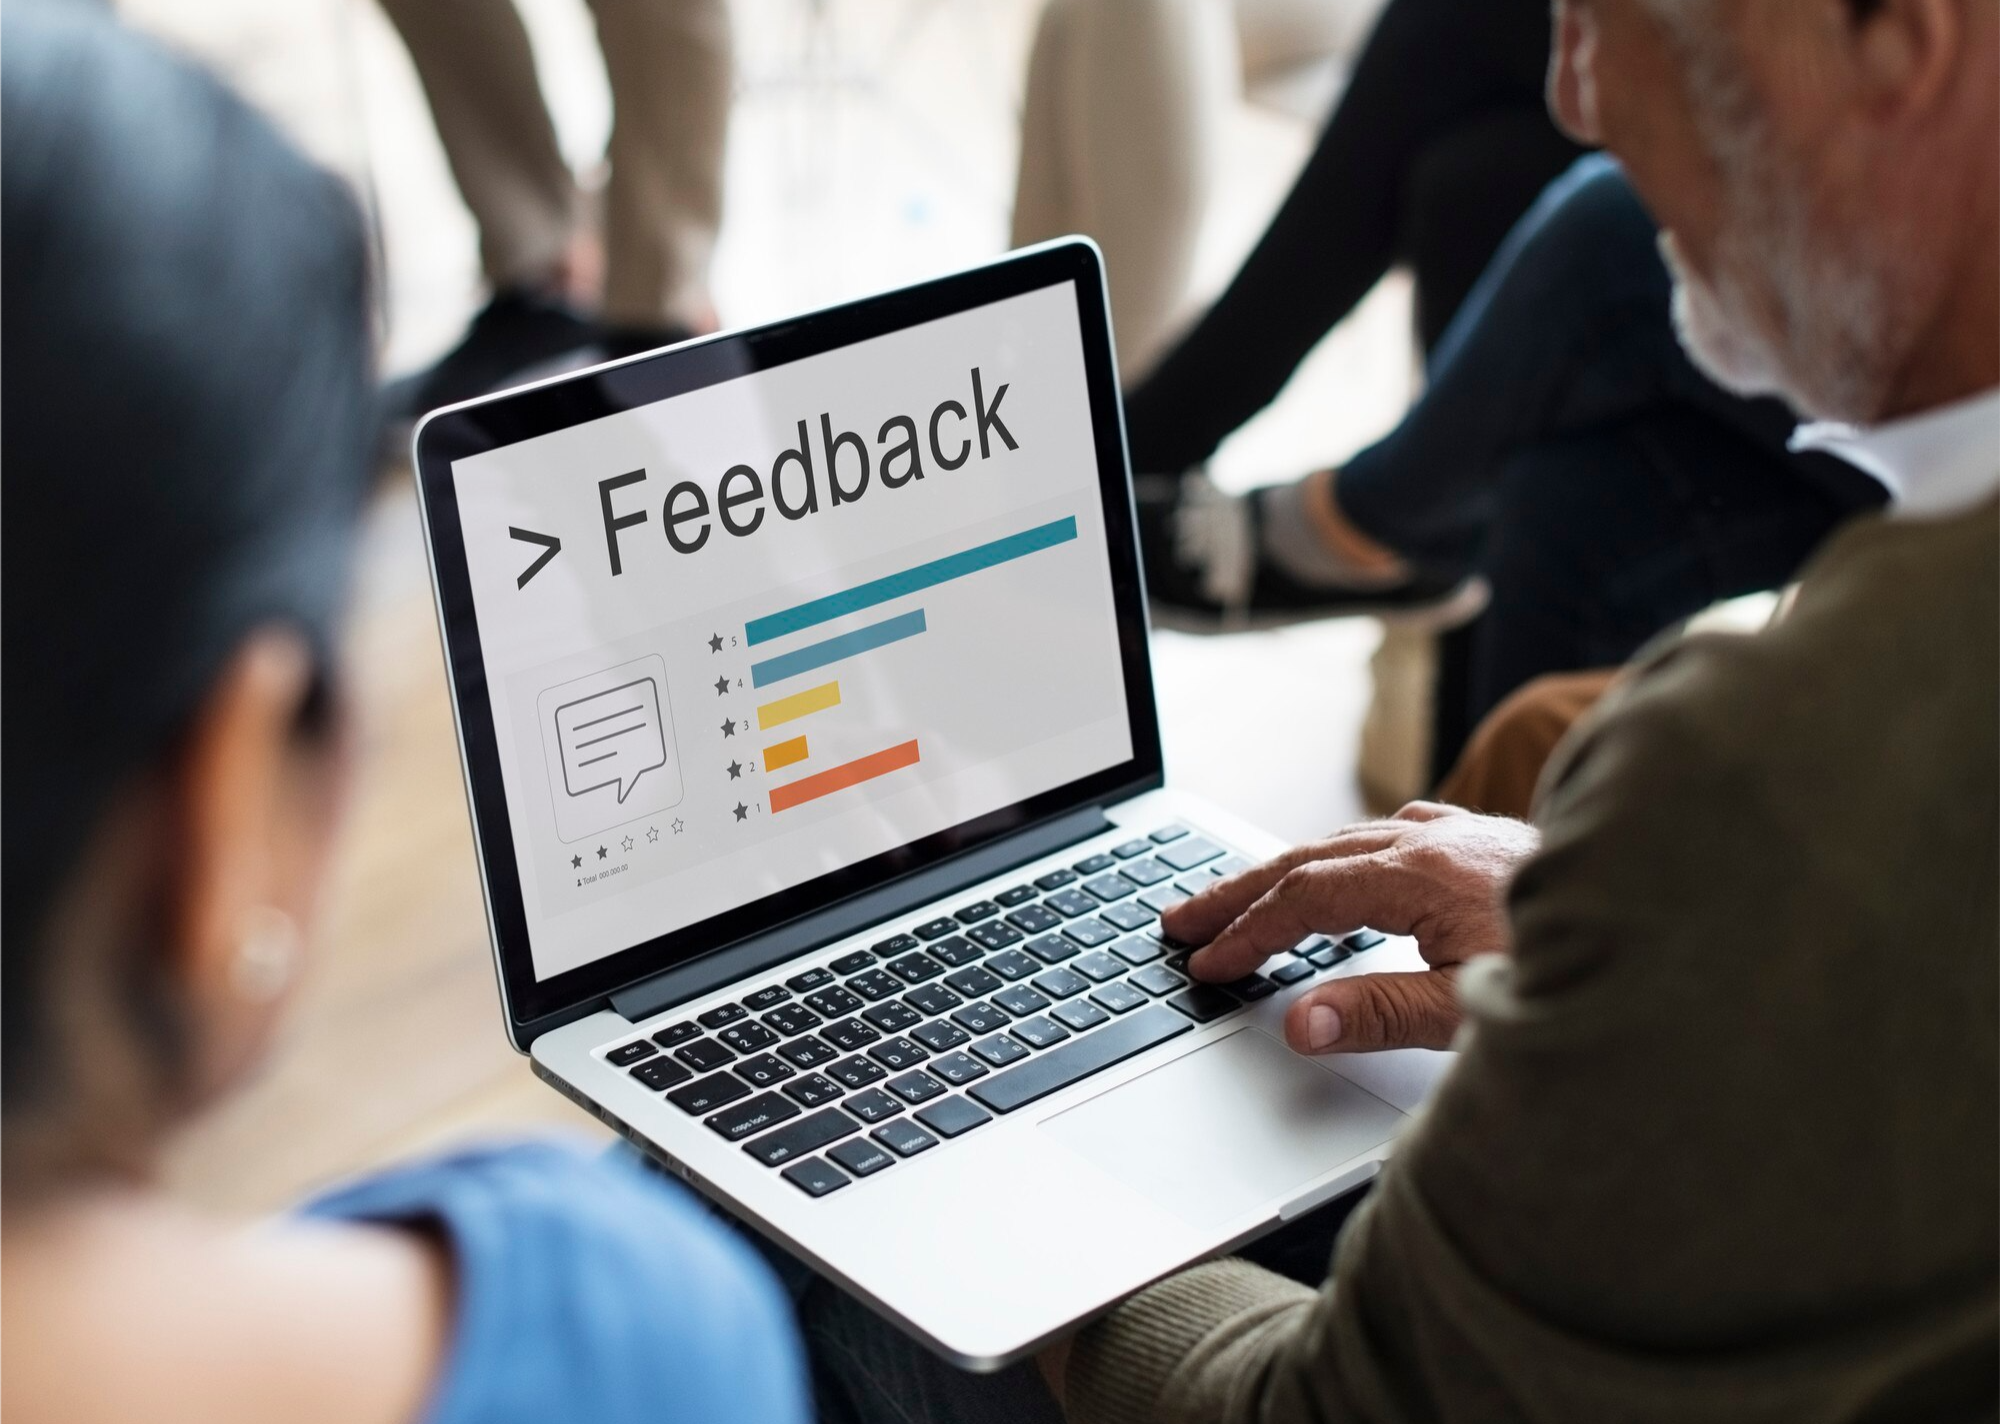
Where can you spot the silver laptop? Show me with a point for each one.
(803, 694)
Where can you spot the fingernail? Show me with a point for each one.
(1322, 1027)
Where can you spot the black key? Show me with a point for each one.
(1251, 987)
(938, 1035)
(747, 1037)
(1131, 848)
(1157, 979)
(932, 999)
(791, 1019)
(978, 910)
(852, 963)
(703, 1054)
(1159, 899)
(1078, 1015)
(999, 1050)
(993, 936)
(706, 1094)
(810, 980)
(1119, 998)
(1060, 983)
(1167, 833)
(915, 1087)
(628, 1053)
(661, 1074)
(1187, 854)
(975, 982)
(768, 997)
(897, 1053)
(834, 1003)
(1020, 1001)
(1109, 887)
(1328, 957)
(1360, 940)
(936, 929)
(1057, 1069)
(894, 945)
(1090, 933)
(1145, 872)
(953, 1116)
(1039, 1032)
(856, 1072)
(1093, 864)
(723, 1014)
(1307, 947)
(1234, 865)
(861, 1157)
(808, 1134)
(956, 951)
(1292, 972)
(1097, 966)
(1129, 916)
(815, 1177)
(1071, 903)
(958, 1069)
(905, 1139)
(745, 1119)
(808, 1052)
(677, 1033)
(980, 1018)
(873, 1105)
(875, 985)
(1015, 895)
(1137, 950)
(915, 968)
(1051, 949)
(765, 1071)
(1203, 1002)
(1011, 964)
(812, 1090)
(849, 1035)
(1055, 879)
(1033, 919)
(892, 1017)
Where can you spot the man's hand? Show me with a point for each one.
(1434, 872)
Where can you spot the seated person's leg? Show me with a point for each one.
(1498, 771)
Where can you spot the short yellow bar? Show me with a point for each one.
(799, 704)
(780, 755)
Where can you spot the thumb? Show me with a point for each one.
(1364, 1013)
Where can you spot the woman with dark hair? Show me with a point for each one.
(186, 396)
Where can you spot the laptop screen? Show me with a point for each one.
(736, 640)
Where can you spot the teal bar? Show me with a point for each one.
(916, 580)
(833, 650)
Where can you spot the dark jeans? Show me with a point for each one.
(1438, 145)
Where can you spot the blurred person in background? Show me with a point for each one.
(187, 398)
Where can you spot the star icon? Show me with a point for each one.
(715, 643)
(721, 686)
(652, 835)
(735, 770)
(742, 812)
(601, 852)
(679, 825)
(627, 843)
(576, 862)
(728, 729)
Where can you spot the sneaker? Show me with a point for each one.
(513, 332)
(1207, 572)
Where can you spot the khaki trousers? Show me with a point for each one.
(669, 63)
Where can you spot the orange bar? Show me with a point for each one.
(780, 755)
(839, 778)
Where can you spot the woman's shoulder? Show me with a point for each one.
(586, 1287)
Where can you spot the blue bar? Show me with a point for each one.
(833, 650)
(923, 576)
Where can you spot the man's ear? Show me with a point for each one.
(1908, 54)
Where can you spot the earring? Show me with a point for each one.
(267, 955)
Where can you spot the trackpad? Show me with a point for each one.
(1229, 1128)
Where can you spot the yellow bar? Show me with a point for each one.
(779, 755)
(799, 704)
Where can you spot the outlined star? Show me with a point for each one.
(627, 843)
(742, 812)
(728, 729)
(721, 686)
(735, 770)
(679, 825)
(652, 834)
(576, 862)
(715, 643)
(601, 852)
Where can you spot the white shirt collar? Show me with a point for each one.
(1939, 462)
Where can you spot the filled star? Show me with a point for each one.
(576, 862)
(715, 643)
(628, 843)
(728, 729)
(679, 825)
(735, 770)
(721, 686)
(652, 834)
(601, 852)
(742, 812)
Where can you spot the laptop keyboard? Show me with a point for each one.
(840, 1072)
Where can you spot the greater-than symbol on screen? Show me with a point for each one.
(551, 546)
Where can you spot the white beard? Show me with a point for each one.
(1713, 331)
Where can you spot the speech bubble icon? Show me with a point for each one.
(611, 738)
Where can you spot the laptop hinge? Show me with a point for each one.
(752, 956)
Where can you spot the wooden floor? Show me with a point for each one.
(396, 1044)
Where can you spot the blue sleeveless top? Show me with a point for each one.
(590, 1291)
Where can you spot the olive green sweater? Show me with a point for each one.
(1724, 1141)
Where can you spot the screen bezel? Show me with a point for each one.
(534, 1006)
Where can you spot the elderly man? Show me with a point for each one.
(1722, 1141)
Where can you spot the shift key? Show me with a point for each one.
(796, 1139)
(742, 1119)
(1057, 1068)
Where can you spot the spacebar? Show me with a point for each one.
(1059, 1067)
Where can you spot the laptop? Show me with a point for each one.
(803, 696)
